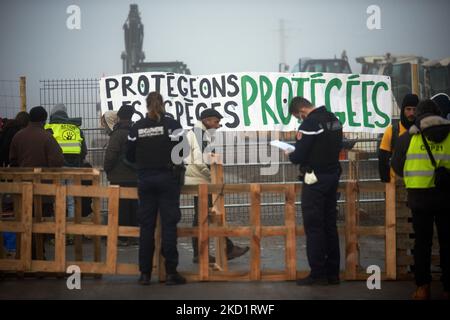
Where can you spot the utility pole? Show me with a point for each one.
(282, 66)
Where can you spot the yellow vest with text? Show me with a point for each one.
(68, 137)
(418, 172)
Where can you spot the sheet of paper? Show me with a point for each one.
(283, 145)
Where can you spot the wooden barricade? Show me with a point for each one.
(25, 226)
(51, 177)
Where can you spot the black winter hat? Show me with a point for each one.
(125, 112)
(38, 114)
(210, 113)
(410, 100)
(427, 107)
(443, 102)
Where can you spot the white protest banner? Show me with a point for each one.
(257, 101)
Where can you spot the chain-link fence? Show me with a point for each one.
(9, 98)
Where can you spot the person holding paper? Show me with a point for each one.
(317, 147)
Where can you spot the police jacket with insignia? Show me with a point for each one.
(320, 142)
(149, 145)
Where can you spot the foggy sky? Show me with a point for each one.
(210, 36)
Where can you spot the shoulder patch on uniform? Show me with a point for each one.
(150, 132)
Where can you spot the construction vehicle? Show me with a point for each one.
(437, 77)
(133, 56)
(323, 65)
(401, 69)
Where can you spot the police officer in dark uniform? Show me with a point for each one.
(319, 141)
(150, 144)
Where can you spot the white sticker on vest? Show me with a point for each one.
(150, 132)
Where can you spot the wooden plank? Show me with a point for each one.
(187, 232)
(189, 189)
(78, 239)
(390, 225)
(96, 219)
(291, 239)
(203, 240)
(87, 229)
(273, 231)
(43, 266)
(128, 193)
(44, 189)
(11, 226)
(229, 231)
(219, 207)
(128, 231)
(43, 227)
(60, 226)
(11, 265)
(27, 220)
(127, 269)
(280, 276)
(255, 241)
(300, 231)
(351, 240)
(371, 231)
(8, 187)
(17, 205)
(38, 239)
(113, 228)
(90, 267)
(87, 191)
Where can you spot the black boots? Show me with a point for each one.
(145, 278)
(173, 279)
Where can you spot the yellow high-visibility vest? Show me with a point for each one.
(418, 171)
(68, 137)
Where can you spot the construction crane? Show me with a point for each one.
(133, 56)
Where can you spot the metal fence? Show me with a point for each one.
(9, 98)
(81, 98)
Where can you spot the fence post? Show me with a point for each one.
(27, 220)
(203, 229)
(219, 210)
(255, 222)
(60, 228)
(390, 227)
(291, 238)
(23, 93)
(113, 228)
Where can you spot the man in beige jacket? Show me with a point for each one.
(198, 170)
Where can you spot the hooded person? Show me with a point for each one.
(69, 135)
(427, 199)
(442, 100)
(9, 131)
(390, 136)
(108, 120)
(118, 170)
(71, 139)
